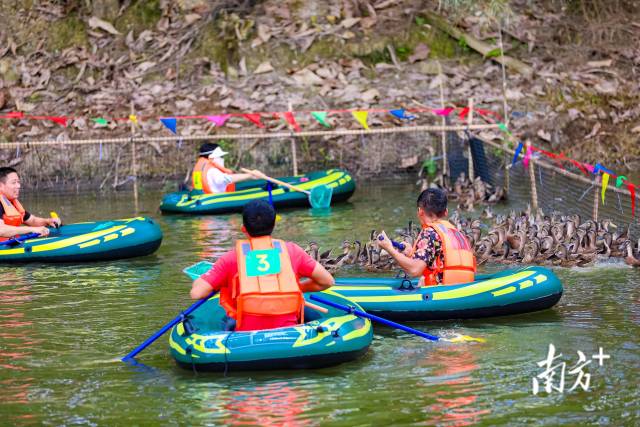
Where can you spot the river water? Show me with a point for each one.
(63, 329)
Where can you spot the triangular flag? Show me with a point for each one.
(321, 117)
(291, 119)
(254, 118)
(620, 180)
(444, 111)
(527, 156)
(590, 168)
(219, 120)
(60, 120)
(515, 156)
(463, 113)
(503, 128)
(361, 117)
(100, 121)
(171, 123)
(605, 183)
(632, 190)
(133, 118)
(402, 114)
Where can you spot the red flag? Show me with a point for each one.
(463, 113)
(60, 120)
(291, 119)
(254, 118)
(14, 115)
(632, 190)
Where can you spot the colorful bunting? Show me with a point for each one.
(444, 111)
(463, 113)
(60, 120)
(589, 167)
(503, 128)
(171, 123)
(133, 119)
(620, 180)
(100, 121)
(632, 190)
(527, 156)
(401, 114)
(605, 183)
(254, 118)
(13, 115)
(361, 117)
(219, 120)
(291, 119)
(515, 156)
(321, 117)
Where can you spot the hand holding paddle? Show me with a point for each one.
(319, 196)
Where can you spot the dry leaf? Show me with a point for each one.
(544, 135)
(594, 131)
(191, 18)
(599, 64)
(607, 87)
(264, 33)
(349, 22)
(370, 95)
(264, 67)
(421, 52)
(306, 77)
(636, 129)
(103, 25)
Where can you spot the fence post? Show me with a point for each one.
(596, 197)
(532, 178)
(470, 123)
(134, 161)
(294, 154)
(445, 161)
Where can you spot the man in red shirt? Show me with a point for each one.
(258, 280)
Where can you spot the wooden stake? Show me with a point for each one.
(470, 123)
(445, 161)
(532, 178)
(134, 162)
(596, 198)
(294, 154)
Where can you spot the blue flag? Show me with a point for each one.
(171, 123)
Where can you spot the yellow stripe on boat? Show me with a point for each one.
(504, 291)
(361, 288)
(127, 231)
(388, 298)
(90, 243)
(481, 287)
(526, 284)
(76, 240)
(111, 237)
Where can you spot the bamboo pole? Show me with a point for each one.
(596, 197)
(470, 123)
(294, 153)
(445, 161)
(505, 111)
(134, 160)
(532, 178)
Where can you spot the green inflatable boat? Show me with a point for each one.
(88, 241)
(196, 202)
(508, 292)
(201, 343)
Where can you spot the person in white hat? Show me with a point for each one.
(209, 173)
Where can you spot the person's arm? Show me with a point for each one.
(200, 289)
(413, 267)
(319, 280)
(10, 230)
(36, 221)
(238, 177)
(213, 279)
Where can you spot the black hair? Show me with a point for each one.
(5, 172)
(258, 218)
(207, 148)
(433, 201)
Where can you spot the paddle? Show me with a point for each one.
(166, 327)
(353, 310)
(319, 196)
(19, 239)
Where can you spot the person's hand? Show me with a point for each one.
(54, 222)
(384, 242)
(42, 231)
(258, 174)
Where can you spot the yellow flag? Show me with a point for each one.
(133, 118)
(605, 183)
(361, 117)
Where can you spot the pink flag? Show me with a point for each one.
(527, 155)
(219, 120)
(444, 111)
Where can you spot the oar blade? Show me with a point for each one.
(464, 338)
(198, 269)
(320, 197)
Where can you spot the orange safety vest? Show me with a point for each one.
(262, 295)
(199, 175)
(13, 213)
(459, 264)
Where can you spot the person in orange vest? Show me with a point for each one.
(441, 253)
(259, 280)
(14, 220)
(209, 173)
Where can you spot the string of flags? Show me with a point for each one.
(586, 168)
(171, 123)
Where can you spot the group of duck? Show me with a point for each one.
(559, 240)
(466, 192)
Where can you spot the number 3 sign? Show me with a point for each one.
(263, 262)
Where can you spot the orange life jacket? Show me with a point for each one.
(13, 213)
(459, 264)
(262, 295)
(199, 176)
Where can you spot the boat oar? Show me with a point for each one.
(319, 196)
(19, 239)
(166, 327)
(359, 313)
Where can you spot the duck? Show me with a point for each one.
(630, 258)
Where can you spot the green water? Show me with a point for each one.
(63, 328)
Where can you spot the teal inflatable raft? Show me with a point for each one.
(201, 343)
(196, 202)
(508, 292)
(88, 241)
